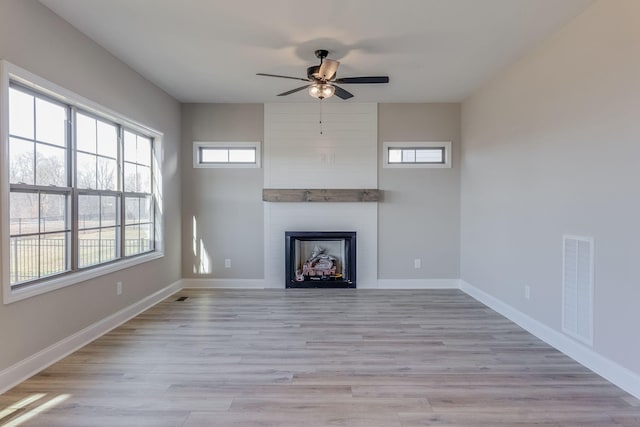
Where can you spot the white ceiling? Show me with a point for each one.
(210, 50)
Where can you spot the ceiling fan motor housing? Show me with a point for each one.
(313, 72)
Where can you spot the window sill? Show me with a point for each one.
(11, 296)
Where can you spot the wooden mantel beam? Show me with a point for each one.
(321, 195)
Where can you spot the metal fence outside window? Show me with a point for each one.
(26, 254)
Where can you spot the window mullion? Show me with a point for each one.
(73, 161)
(69, 235)
(71, 148)
(100, 255)
(39, 236)
(120, 230)
(152, 208)
(120, 227)
(120, 162)
(72, 235)
(35, 150)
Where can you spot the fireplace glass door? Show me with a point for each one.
(319, 259)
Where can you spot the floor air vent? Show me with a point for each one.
(577, 288)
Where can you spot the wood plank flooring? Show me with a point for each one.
(311, 358)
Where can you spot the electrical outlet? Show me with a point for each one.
(119, 288)
(527, 291)
(417, 263)
(227, 263)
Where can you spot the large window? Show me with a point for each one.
(80, 188)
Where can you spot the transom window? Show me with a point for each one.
(433, 155)
(80, 189)
(222, 154)
(417, 154)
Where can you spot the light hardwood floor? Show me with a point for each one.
(311, 358)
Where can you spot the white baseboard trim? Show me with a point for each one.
(14, 375)
(418, 283)
(263, 284)
(367, 285)
(618, 375)
(223, 284)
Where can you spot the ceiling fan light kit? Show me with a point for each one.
(322, 79)
(321, 91)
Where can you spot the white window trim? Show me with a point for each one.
(197, 145)
(10, 72)
(420, 144)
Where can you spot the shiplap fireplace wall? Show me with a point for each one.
(344, 155)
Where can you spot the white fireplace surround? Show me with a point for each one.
(296, 155)
(359, 217)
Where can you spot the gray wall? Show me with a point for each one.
(33, 38)
(420, 215)
(226, 203)
(551, 146)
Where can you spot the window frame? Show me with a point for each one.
(10, 73)
(198, 146)
(442, 145)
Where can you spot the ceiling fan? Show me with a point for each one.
(322, 79)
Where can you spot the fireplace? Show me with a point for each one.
(320, 259)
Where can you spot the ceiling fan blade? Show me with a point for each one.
(289, 92)
(341, 93)
(282, 77)
(371, 79)
(328, 69)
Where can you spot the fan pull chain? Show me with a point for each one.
(321, 103)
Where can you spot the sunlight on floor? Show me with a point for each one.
(5, 413)
(22, 404)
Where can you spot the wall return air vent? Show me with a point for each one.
(577, 288)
